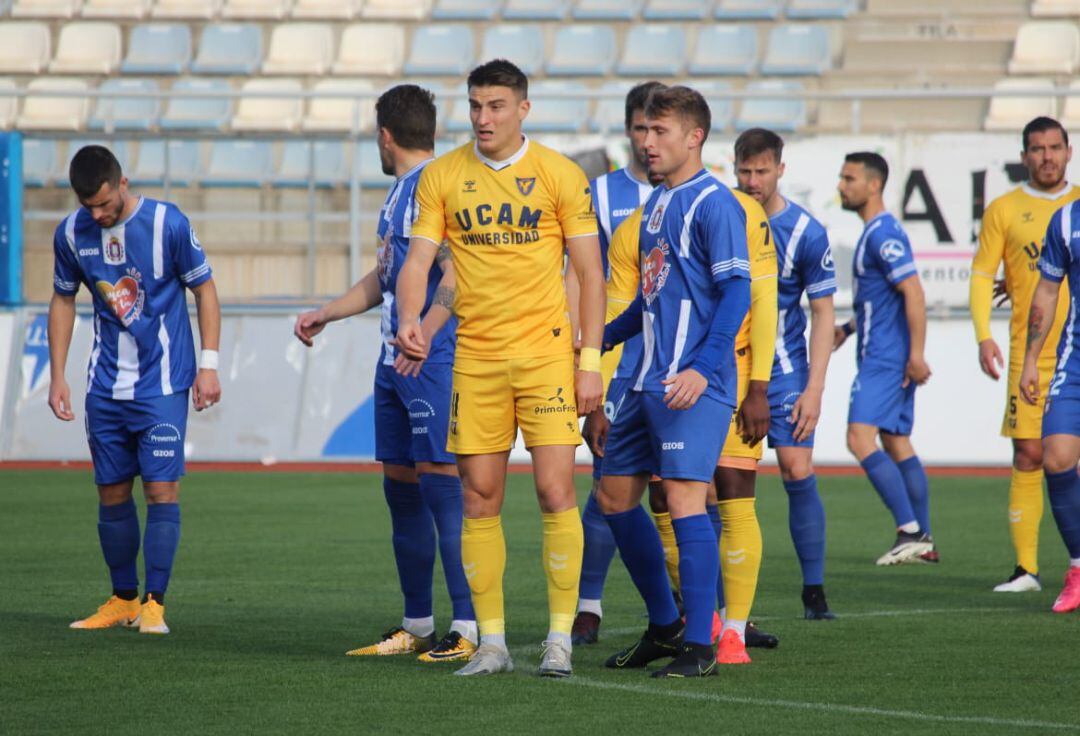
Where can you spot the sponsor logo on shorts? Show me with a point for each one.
(557, 404)
(673, 446)
(163, 433)
(419, 430)
(164, 453)
(788, 402)
(421, 409)
(85, 252)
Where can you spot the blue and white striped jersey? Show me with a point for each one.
(804, 264)
(136, 272)
(883, 259)
(396, 217)
(693, 237)
(1060, 259)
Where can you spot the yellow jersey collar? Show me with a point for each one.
(505, 163)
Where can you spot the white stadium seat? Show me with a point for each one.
(1055, 8)
(300, 48)
(327, 9)
(371, 48)
(25, 48)
(1012, 113)
(54, 113)
(397, 9)
(87, 48)
(9, 104)
(341, 114)
(194, 9)
(256, 9)
(1046, 47)
(1070, 110)
(127, 9)
(45, 8)
(265, 113)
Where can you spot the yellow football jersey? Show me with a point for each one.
(764, 299)
(1013, 228)
(623, 279)
(506, 223)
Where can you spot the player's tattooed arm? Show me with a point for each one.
(1035, 325)
(442, 255)
(444, 297)
(1040, 316)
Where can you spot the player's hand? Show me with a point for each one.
(917, 372)
(805, 414)
(840, 336)
(60, 399)
(412, 341)
(990, 358)
(1001, 294)
(684, 389)
(308, 325)
(752, 419)
(207, 389)
(595, 431)
(1029, 383)
(407, 367)
(589, 391)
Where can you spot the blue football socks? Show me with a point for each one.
(118, 531)
(806, 521)
(414, 545)
(889, 483)
(160, 541)
(442, 494)
(699, 567)
(641, 552)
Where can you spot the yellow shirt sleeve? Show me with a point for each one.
(623, 284)
(574, 208)
(984, 268)
(430, 222)
(763, 291)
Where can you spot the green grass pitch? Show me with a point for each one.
(278, 574)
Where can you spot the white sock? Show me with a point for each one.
(739, 627)
(495, 640)
(419, 626)
(589, 605)
(467, 629)
(559, 637)
(723, 614)
(1074, 562)
(912, 527)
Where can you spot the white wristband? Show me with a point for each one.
(208, 360)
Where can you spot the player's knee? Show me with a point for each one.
(157, 492)
(400, 473)
(114, 494)
(1058, 458)
(796, 469)
(436, 469)
(856, 443)
(1028, 456)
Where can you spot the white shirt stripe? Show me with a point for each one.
(69, 230)
(159, 242)
(127, 366)
(97, 350)
(868, 312)
(166, 377)
(688, 218)
(603, 209)
(648, 345)
(781, 349)
(685, 306)
(793, 244)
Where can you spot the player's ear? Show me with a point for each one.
(123, 186)
(523, 108)
(780, 170)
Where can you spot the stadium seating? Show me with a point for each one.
(256, 9)
(119, 149)
(332, 162)
(535, 9)
(126, 9)
(724, 50)
(582, 50)
(238, 163)
(1055, 8)
(9, 104)
(397, 9)
(1046, 47)
(465, 9)
(87, 48)
(369, 168)
(438, 49)
(796, 50)
(269, 113)
(198, 113)
(676, 9)
(300, 48)
(748, 9)
(1070, 109)
(607, 9)
(184, 165)
(821, 9)
(41, 112)
(194, 9)
(229, 48)
(25, 48)
(609, 114)
(720, 107)
(45, 8)
(1012, 113)
(784, 113)
(653, 50)
(327, 9)
(371, 49)
(40, 161)
(158, 48)
(521, 44)
(341, 114)
(554, 114)
(126, 113)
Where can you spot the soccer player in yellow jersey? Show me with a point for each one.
(508, 208)
(1013, 228)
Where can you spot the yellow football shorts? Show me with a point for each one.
(736, 453)
(492, 398)
(1023, 421)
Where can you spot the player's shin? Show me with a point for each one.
(161, 539)
(1025, 515)
(671, 547)
(886, 479)
(562, 551)
(597, 555)
(118, 532)
(414, 552)
(806, 521)
(483, 556)
(918, 490)
(740, 551)
(698, 568)
(641, 552)
(442, 495)
(1064, 492)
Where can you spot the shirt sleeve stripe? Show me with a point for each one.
(899, 271)
(825, 285)
(195, 273)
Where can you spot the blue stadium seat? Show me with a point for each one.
(370, 173)
(819, 9)
(677, 9)
(609, 114)
(725, 50)
(158, 48)
(443, 49)
(126, 113)
(457, 118)
(184, 163)
(238, 163)
(720, 108)
(535, 9)
(797, 50)
(229, 48)
(582, 50)
(331, 163)
(748, 9)
(118, 148)
(785, 113)
(465, 9)
(607, 9)
(553, 114)
(521, 44)
(40, 161)
(653, 50)
(198, 113)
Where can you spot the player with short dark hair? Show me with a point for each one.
(890, 319)
(1012, 232)
(136, 256)
(412, 398)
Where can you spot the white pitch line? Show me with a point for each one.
(828, 708)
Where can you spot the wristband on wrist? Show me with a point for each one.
(208, 360)
(589, 360)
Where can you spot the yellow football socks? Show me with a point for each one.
(563, 549)
(740, 555)
(1025, 515)
(671, 547)
(483, 555)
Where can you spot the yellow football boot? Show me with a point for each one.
(114, 612)
(451, 648)
(395, 641)
(152, 618)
